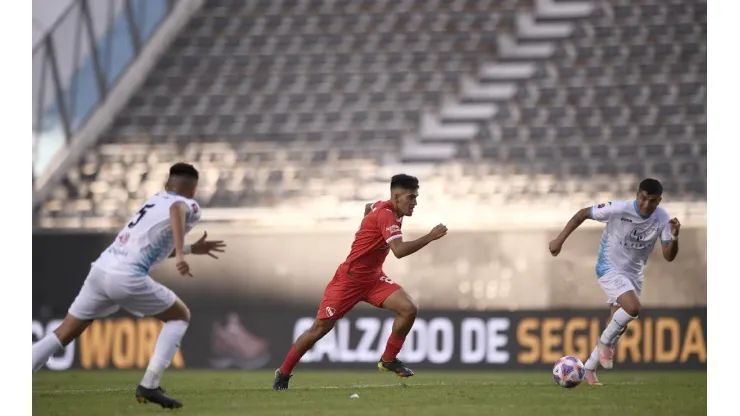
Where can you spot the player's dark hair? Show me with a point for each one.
(651, 187)
(404, 181)
(184, 170)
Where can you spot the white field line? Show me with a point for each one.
(350, 386)
(346, 387)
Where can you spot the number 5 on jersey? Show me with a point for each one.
(140, 215)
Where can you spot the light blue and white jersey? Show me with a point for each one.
(628, 238)
(147, 239)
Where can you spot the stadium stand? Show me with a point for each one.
(289, 102)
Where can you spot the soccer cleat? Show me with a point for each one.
(606, 356)
(145, 395)
(281, 380)
(395, 366)
(592, 379)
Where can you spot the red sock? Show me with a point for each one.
(392, 348)
(291, 360)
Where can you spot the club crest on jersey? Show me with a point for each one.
(393, 229)
(330, 311)
(195, 208)
(603, 205)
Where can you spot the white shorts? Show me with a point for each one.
(615, 283)
(103, 293)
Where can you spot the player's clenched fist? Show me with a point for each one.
(675, 226)
(555, 247)
(183, 267)
(439, 231)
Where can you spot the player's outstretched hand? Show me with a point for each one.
(204, 246)
(675, 226)
(439, 231)
(555, 247)
(183, 267)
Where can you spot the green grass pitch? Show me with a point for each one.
(328, 393)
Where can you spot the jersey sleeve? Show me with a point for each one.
(603, 212)
(194, 211)
(390, 227)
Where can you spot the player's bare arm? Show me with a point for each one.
(402, 248)
(178, 215)
(368, 208)
(670, 249)
(575, 221)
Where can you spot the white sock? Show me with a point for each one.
(616, 326)
(616, 340)
(167, 344)
(44, 349)
(593, 361)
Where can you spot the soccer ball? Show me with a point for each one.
(568, 372)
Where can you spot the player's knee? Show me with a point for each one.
(320, 328)
(633, 307)
(177, 312)
(409, 310)
(630, 303)
(185, 313)
(181, 312)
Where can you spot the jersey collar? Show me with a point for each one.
(637, 210)
(389, 204)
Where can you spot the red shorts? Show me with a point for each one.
(343, 293)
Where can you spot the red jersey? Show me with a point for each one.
(370, 247)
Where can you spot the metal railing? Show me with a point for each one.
(79, 60)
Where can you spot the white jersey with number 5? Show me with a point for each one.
(147, 239)
(628, 238)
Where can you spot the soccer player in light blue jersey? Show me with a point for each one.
(119, 278)
(632, 229)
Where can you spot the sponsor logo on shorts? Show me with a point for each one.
(330, 311)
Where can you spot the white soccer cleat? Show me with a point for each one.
(606, 356)
(591, 378)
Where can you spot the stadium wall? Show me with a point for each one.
(258, 337)
(487, 300)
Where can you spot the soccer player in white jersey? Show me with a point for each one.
(120, 278)
(632, 228)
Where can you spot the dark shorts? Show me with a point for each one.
(343, 293)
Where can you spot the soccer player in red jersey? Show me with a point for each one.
(361, 278)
